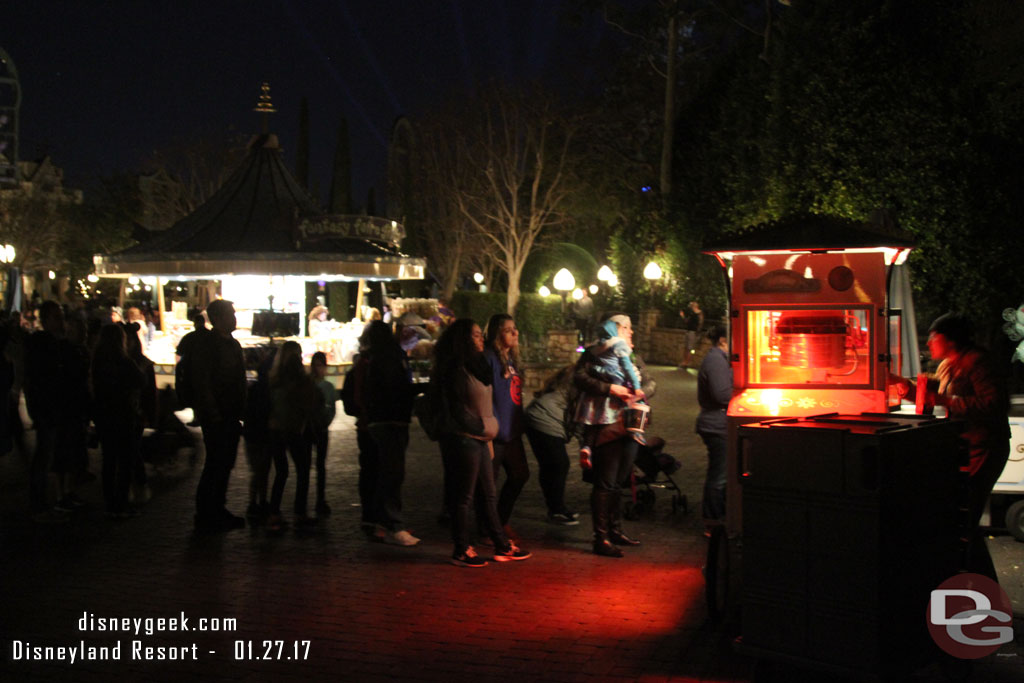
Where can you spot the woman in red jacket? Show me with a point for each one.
(970, 389)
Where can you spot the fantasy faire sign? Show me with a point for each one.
(365, 227)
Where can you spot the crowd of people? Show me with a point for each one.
(80, 371)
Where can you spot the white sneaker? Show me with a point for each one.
(402, 537)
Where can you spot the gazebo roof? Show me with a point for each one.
(262, 221)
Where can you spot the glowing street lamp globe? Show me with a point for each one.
(592, 289)
(577, 294)
(544, 291)
(605, 273)
(564, 281)
(652, 271)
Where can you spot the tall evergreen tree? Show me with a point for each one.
(341, 180)
(371, 203)
(302, 151)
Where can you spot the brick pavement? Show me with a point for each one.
(373, 612)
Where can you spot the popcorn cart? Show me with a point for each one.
(812, 330)
(817, 465)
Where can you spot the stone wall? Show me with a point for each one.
(665, 345)
(562, 345)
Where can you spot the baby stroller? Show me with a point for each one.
(653, 469)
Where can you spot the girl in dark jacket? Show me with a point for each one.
(293, 402)
(461, 382)
(386, 406)
(117, 385)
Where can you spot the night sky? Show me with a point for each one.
(105, 83)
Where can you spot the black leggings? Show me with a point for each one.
(552, 467)
(512, 457)
(293, 444)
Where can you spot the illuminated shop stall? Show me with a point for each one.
(841, 512)
(258, 241)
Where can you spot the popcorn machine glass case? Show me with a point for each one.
(811, 333)
(808, 347)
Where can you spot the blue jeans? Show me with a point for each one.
(713, 505)
(468, 462)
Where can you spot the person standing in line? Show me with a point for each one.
(17, 338)
(502, 354)
(614, 448)
(71, 453)
(386, 402)
(294, 400)
(352, 393)
(546, 431)
(43, 391)
(117, 384)
(149, 404)
(183, 362)
(318, 432)
(219, 386)
(714, 391)
(255, 436)
(461, 382)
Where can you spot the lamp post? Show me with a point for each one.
(564, 282)
(478, 278)
(652, 273)
(12, 280)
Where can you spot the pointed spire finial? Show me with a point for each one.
(264, 106)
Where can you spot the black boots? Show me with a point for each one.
(615, 533)
(604, 548)
(619, 538)
(601, 509)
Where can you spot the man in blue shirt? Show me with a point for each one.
(714, 391)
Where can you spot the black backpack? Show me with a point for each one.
(183, 380)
